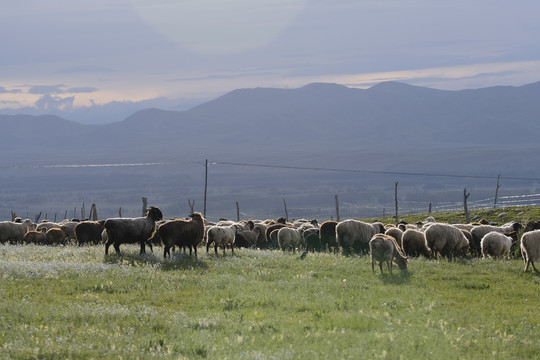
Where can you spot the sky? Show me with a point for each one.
(65, 54)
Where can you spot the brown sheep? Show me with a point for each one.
(383, 248)
(56, 236)
(89, 232)
(181, 232)
(35, 237)
(327, 234)
(414, 243)
(397, 234)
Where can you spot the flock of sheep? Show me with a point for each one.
(385, 243)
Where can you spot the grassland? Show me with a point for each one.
(76, 303)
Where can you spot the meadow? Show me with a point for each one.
(76, 303)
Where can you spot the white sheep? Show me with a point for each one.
(495, 244)
(530, 248)
(446, 240)
(383, 248)
(221, 236)
(355, 235)
(290, 238)
(13, 232)
(414, 243)
(478, 232)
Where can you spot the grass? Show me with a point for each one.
(76, 303)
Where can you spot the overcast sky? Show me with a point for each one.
(73, 53)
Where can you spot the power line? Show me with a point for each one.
(372, 171)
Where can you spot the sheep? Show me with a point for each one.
(56, 236)
(221, 236)
(397, 234)
(530, 248)
(531, 225)
(312, 239)
(45, 224)
(35, 237)
(89, 232)
(131, 230)
(290, 238)
(383, 248)
(13, 232)
(246, 238)
(495, 244)
(355, 235)
(414, 243)
(260, 230)
(446, 240)
(181, 232)
(478, 233)
(269, 230)
(327, 235)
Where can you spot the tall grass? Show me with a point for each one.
(76, 303)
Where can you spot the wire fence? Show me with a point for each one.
(363, 211)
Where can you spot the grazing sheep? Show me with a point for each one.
(495, 244)
(354, 235)
(181, 232)
(312, 239)
(13, 232)
(45, 224)
(530, 248)
(397, 234)
(383, 248)
(446, 240)
(131, 230)
(246, 238)
(531, 225)
(35, 237)
(289, 238)
(478, 233)
(414, 243)
(221, 236)
(89, 232)
(260, 230)
(56, 236)
(327, 234)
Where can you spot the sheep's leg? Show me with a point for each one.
(215, 248)
(107, 247)
(380, 266)
(117, 248)
(389, 264)
(224, 247)
(372, 265)
(166, 251)
(232, 249)
(143, 248)
(532, 263)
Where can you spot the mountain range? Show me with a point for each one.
(391, 126)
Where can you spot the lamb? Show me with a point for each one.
(181, 232)
(131, 230)
(478, 233)
(246, 238)
(383, 248)
(355, 235)
(495, 244)
(290, 238)
(446, 240)
(327, 234)
(221, 236)
(397, 234)
(89, 232)
(530, 248)
(35, 237)
(56, 236)
(13, 232)
(414, 243)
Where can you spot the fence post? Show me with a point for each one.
(395, 195)
(286, 212)
(465, 197)
(497, 191)
(237, 212)
(337, 209)
(144, 205)
(205, 186)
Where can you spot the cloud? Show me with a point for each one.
(48, 102)
(78, 90)
(46, 89)
(3, 90)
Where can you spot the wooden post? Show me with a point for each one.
(497, 191)
(337, 209)
(120, 212)
(191, 205)
(395, 196)
(13, 215)
(205, 186)
(37, 217)
(83, 212)
(429, 211)
(54, 217)
(286, 212)
(93, 213)
(65, 215)
(237, 212)
(75, 212)
(144, 206)
(465, 197)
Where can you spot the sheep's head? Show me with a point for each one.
(154, 213)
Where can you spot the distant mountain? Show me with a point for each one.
(327, 122)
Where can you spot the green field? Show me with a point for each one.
(76, 303)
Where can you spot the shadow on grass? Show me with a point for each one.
(175, 262)
(396, 279)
